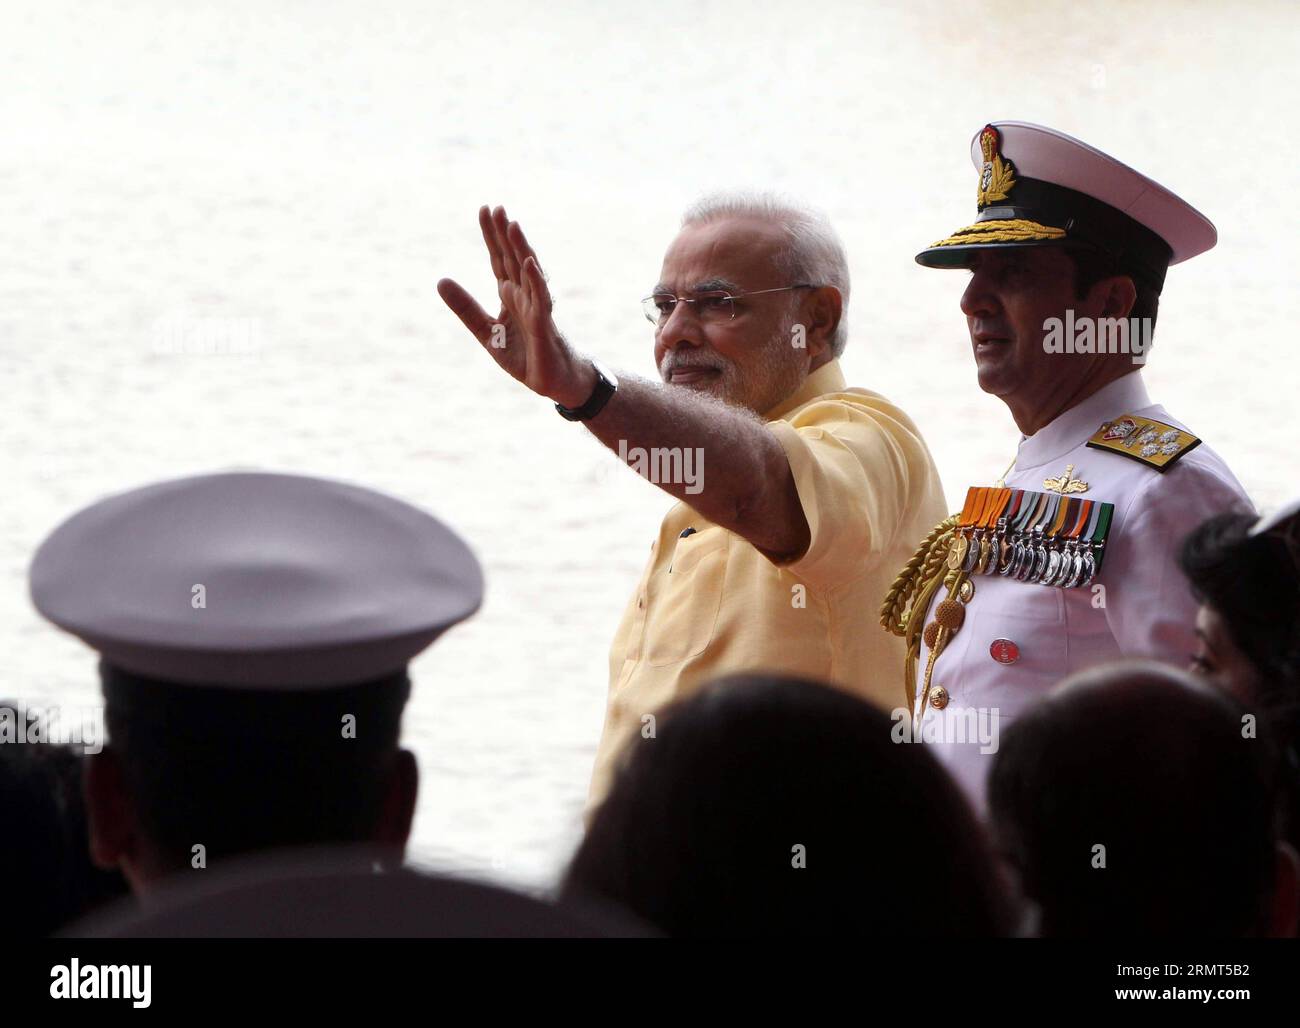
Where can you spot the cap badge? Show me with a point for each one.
(997, 177)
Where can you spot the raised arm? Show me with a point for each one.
(746, 485)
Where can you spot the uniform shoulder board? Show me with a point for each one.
(1153, 443)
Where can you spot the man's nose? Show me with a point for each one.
(680, 328)
(979, 298)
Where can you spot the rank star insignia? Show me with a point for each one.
(997, 176)
(1066, 483)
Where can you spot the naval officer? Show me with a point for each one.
(1070, 559)
(254, 633)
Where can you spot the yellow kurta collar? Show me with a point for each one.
(826, 379)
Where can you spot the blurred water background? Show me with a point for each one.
(221, 224)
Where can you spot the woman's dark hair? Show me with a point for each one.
(769, 806)
(239, 770)
(1252, 584)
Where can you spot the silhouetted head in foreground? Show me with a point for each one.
(44, 854)
(254, 633)
(1137, 800)
(768, 806)
(237, 771)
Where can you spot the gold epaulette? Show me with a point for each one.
(1153, 443)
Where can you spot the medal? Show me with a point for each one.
(1055, 539)
(960, 544)
(991, 526)
(1053, 568)
(957, 552)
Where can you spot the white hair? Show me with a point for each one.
(813, 252)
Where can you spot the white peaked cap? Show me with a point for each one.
(256, 580)
(1051, 156)
(1040, 187)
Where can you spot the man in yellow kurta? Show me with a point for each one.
(800, 496)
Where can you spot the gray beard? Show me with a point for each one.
(764, 381)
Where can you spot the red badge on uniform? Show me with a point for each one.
(1004, 651)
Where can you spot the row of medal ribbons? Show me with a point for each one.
(1046, 538)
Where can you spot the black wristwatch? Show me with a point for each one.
(606, 384)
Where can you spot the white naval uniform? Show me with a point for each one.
(1145, 608)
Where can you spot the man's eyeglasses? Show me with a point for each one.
(716, 305)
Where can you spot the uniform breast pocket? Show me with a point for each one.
(685, 606)
(1019, 644)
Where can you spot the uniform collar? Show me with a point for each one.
(826, 379)
(1069, 429)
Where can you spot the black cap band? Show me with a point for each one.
(1090, 223)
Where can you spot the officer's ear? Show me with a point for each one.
(1284, 911)
(110, 817)
(1119, 293)
(397, 809)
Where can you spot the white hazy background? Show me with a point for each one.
(283, 182)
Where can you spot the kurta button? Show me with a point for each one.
(640, 602)
(938, 697)
(1004, 651)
